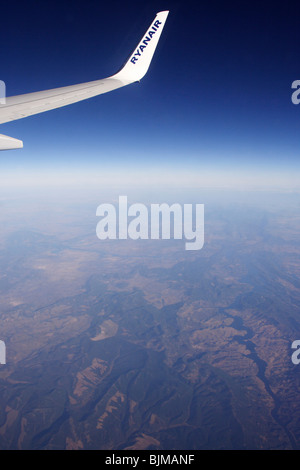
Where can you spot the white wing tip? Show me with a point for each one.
(139, 61)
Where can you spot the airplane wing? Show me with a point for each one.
(18, 107)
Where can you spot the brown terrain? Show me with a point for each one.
(142, 345)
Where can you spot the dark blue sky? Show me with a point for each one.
(216, 99)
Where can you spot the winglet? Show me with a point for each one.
(138, 63)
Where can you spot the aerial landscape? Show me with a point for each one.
(114, 346)
(140, 344)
